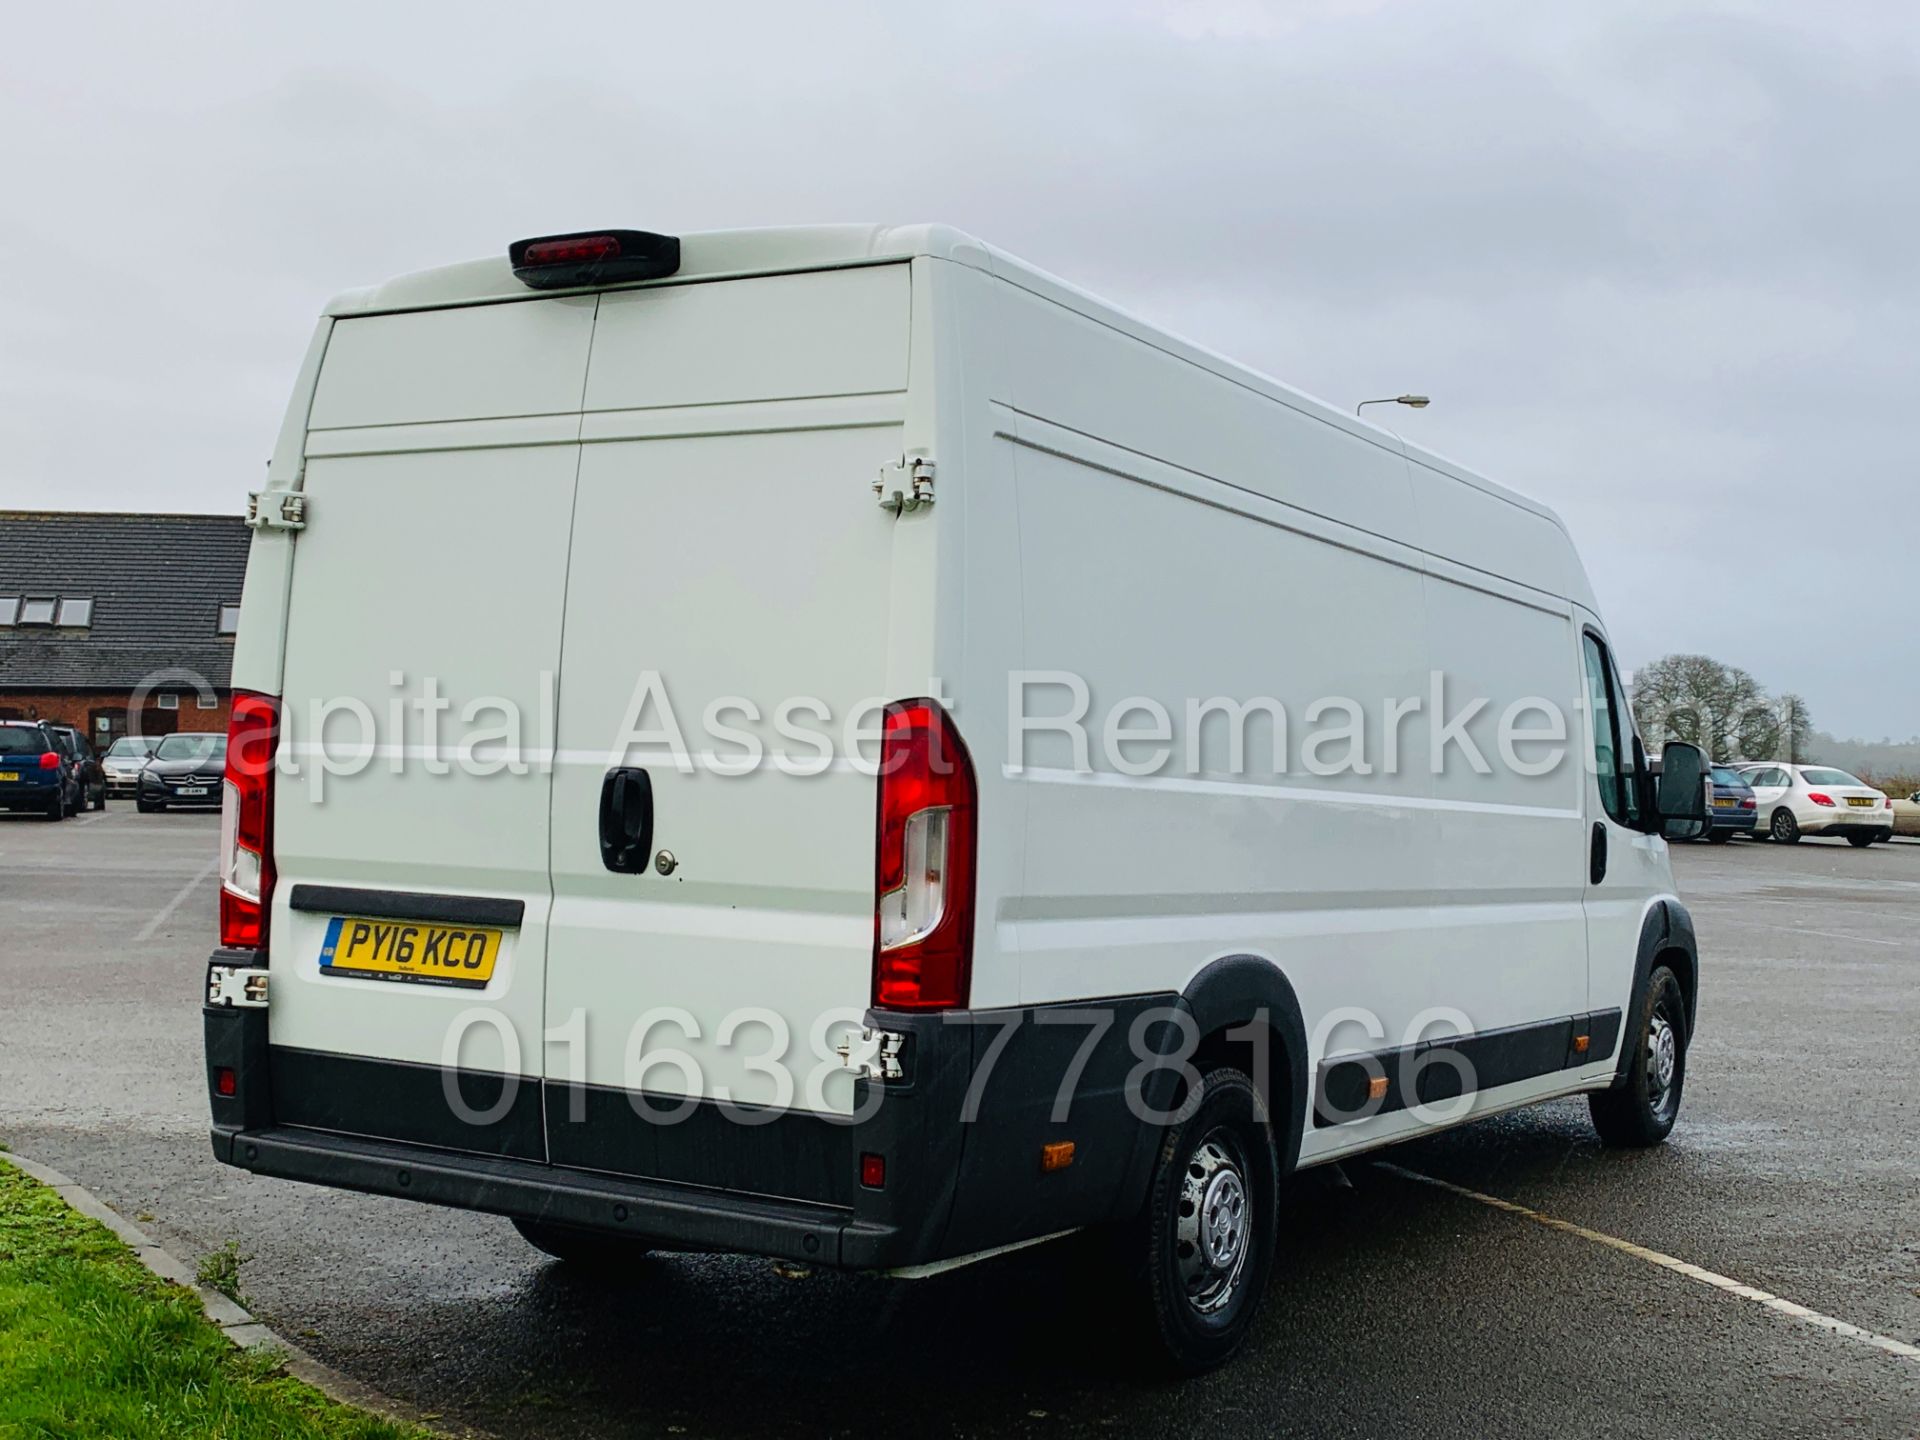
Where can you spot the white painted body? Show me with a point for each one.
(540, 498)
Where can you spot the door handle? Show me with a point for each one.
(1597, 860)
(626, 820)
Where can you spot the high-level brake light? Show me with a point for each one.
(923, 912)
(246, 822)
(593, 257)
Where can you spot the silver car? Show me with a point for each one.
(124, 761)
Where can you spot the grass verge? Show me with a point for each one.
(93, 1344)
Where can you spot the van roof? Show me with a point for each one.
(774, 250)
(704, 255)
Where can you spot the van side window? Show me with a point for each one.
(1607, 755)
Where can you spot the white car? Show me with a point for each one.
(1796, 800)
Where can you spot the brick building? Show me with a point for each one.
(100, 613)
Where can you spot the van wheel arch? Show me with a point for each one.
(1232, 993)
(1666, 938)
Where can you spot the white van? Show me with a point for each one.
(833, 744)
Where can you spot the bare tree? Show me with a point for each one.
(1796, 728)
(1720, 708)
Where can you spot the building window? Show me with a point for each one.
(208, 702)
(9, 609)
(168, 701)
(229, 619)
(37, 610)
(76, 612)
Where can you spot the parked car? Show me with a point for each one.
(93, 778)
(124, 761)
(1906, 815)
(1796, 800)
(185, 772)
(979, 964)
(1735, 811)
(37, 772)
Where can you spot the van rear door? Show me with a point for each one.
(726, 548)
(425, 609)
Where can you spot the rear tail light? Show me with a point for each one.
(246, 822)
(50, 760)
(1750, 803)
(1819, 799)
(923, 912)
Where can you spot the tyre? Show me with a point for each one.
(1785, 828)
(1719, 837)
(100, 801)
(57, 808)
(147, 807)
(1204, 1244)
(1641, 1111)
(1861, 842)
(587, 1249)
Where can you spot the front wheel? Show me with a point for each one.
(1641, 1110)
(1861, 842)
(1208, 1241)
(1785, 828)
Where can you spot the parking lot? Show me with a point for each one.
(1398, 1305)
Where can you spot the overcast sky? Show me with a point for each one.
(1655, 261)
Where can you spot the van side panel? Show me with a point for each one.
(1508, 930)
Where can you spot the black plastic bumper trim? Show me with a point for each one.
(408, 905)
(677, 1217)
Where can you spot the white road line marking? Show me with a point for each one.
(1667, 1262)
(174, 904)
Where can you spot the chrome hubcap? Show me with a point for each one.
(1214, 1225)
(1662, 1055)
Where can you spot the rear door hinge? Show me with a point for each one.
(872, 1053)
(905, 485)
(277, 510)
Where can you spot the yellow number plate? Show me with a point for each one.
(427, 954)
(1864, 802)
(9, 774)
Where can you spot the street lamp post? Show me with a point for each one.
(1412, 402)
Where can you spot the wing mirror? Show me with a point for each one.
(1683, 793)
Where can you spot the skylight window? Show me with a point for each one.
(229, 619)
(9, 609)
(76, 611)
(38, 610)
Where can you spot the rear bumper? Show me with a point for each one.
(674, 1216)
(1846, 822)
(788, 1187)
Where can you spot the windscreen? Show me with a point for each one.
(193, 747)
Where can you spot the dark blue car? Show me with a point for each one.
(1735, 811)
(37, 772)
